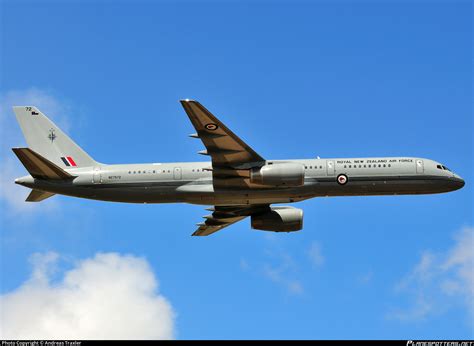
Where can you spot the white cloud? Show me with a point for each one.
(366, 278)
(441, 280)
(279, 265)
(244, 265)
(315, 255)
(109, 296)
(283, 273)
(278, 275)
(10, 136)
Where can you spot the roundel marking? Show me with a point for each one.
(211, 127)
(342, 179)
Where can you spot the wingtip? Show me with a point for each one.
(198, 232)
(186, 100)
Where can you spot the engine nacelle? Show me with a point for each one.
(279, 219)
(278, 174)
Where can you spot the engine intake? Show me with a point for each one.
(279, 219)
(278, 174)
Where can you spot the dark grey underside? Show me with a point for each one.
(202, 192)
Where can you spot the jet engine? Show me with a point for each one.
(279, 219)
(278, 174)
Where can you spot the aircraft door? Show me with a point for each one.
(331, 168)
(96, 176)
(419, 166)
(177, 173)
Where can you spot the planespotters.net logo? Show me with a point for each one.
(440, 343)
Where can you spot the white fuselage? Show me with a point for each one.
(192, 182)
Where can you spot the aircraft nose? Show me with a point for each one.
(457, 182)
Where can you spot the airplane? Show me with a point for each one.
(237, 183)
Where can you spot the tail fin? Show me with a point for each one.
(39, 167)
(47, 140)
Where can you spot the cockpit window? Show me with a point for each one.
(446, 168)
(443, 167)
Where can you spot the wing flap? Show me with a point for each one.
(224, 216)
(212, 226)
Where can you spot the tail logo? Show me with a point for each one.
(30, 109)
(52, 135)
(68, 161)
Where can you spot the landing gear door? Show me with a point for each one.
(419, 167)
(330, 167)
(97, 176)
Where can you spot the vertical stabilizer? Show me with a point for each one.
(46, 139)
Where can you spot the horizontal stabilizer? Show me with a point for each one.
(39, 167)
(38, 196)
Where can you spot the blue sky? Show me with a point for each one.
(293, 79)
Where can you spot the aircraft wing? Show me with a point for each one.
(223, 216)
(231, 156)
